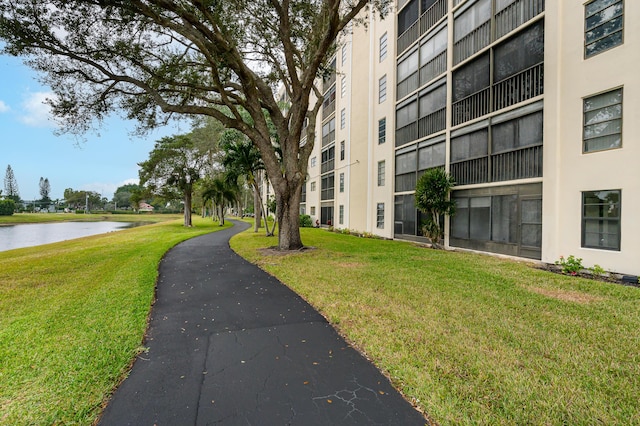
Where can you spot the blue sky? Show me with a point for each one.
(96, 162)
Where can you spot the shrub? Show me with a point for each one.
(305, 221)
(7, 207)
(571, 265)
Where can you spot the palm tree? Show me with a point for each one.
(242, 158)
(221, 193)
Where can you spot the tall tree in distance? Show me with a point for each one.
(175, 164)
(156, 58)
(11, 190)
(45, 190)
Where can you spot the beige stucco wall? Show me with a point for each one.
(567, 171)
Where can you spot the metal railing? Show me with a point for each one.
(525, 85)
(473, 106)
(516, 14)
(520, 164)
(327, 166)
(330, 137)
(471, 171)
(407, 134)
(328, 109)
(472, 43)
(428, 19)
(407, 85)
(432, 123)
(433, 68)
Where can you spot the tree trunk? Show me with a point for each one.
(257, 210)
(221, 214)
(288, 213)
(187, 208)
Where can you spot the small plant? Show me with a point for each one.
(571, 265)
(305, 221)
(597, 270)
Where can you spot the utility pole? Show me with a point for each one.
(86, 204)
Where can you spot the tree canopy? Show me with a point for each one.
(11, 190)
(175, 164)
(156, 58)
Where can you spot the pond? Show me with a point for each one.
(29, 235)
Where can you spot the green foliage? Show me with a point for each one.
(571, 265)
(11, 185)
(597, 270)
(432, 198)
(305, 221)
(7, 207)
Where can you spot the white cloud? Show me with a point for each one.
(37, 112)
(4, 107)
(107, 189)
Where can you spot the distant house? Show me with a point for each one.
(144, 207)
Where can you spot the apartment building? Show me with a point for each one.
(522, 101)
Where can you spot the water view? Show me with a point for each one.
(29, 235)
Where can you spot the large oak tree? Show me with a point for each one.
(155, 58)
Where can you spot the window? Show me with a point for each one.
(407, 16)
(327, 187)
(381, 167)
(313, 210)
(341, 182)
(382, 89)
(380, 216)
(341, 215)
(343, 118)
(328, 159)
(603, 121)
(343, 86)
(433, 56)
(604, 22)
(313, 161)
(342, 151)
(601, 219)
(383, 47)
(313, 186)
(382, 130)
(344, 54)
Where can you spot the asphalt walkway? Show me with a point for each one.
(231, 345)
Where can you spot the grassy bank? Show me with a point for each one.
(473, 339)
(19, 218)
(72, 316)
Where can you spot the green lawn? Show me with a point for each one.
(473, 339)
(72, 317)
(72, 217)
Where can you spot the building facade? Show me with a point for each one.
(521, 101)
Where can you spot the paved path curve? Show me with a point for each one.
(231, 345)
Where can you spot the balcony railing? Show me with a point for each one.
(328, 109)
(330, 137)
(407, 85)
(471, 171)
(473, 106)
(427, 20)
(433, 68)
(516, 14)
(407, 134)
(520, 87)
(472, 43)
(327, 166)
(432, 123)
(521, 164)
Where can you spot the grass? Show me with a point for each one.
(72, 317)
(72, 217)
(473, 339)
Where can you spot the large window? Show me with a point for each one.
(341, 214)
(604, 22)
(328, 160)
(601, 219)
(603, 121)
(341, 188)
(327, 187)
